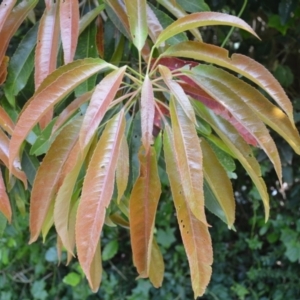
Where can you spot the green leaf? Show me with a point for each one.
(193, 5)
(110, 250)
(72, 279)
(137, 17)
(3, 223)
(88, 18)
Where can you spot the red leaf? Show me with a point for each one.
(5, 8)
(4, 201)
(3, 69)
(69, 27)
(6, 122)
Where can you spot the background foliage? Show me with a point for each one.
(258, 261)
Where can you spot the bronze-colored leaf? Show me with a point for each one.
(157, 266)
(4, 201)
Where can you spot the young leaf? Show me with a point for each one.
(178, 92)
(157, 266)
(6, 122)
(47, 44)
(101, 98)
(5, 8)
(229, 97)
(241, 64)
(239, 147)
(46, 183)
(154, 26)
(3, 69)
(122, 171)
(142, 210)
(147, 113)
(69, 27)
(194, 233)
(5, 208)
(188, 156)
(137, 17)
(95, 272)
(199, 20)
(53, 89)
(218, 181)
(97, 191)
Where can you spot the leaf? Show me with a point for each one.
(69, 27)
(95, 272)
(12, 23)
(147, 113)
(122, 171)
(47, 44)
(21, 65)
(3, 69)
(137, 17)
(193, 6)
(142, 210)
(48, 221)
(154, 26)
(46, 182)
(102, 97)
(230, 98)
(239, 147)
(188, 156)
(56, 86)
(110, 250)
(194, 233)
(157, 266)
(178, 92)
(262, 107)
(5, 9)
(241, 64)
(5, 208)
(219, 182)
(89, 17)
(6, 122)
(201, 19)
(97, 191)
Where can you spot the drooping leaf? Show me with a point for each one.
(69, 27)
(21, 65)
(6, 122)
(142, 210)
(100, 37)
(188, 156)
(154, 26)
(219, 182)
(229, 97)
(56, 86)
(137, 17)
(238, 63)
(3, 69)
(103, 95)
(194, 233)
(95, 272)
(5, 208)
(88, 18)
(239, 147)
(46, 182)
(147, 113)
(5, 8)
(201, 19)
(157, 266)
(178, 92)
(48, 220)
(122, 171)
(97, 191)
(47, 44)
(12, 23)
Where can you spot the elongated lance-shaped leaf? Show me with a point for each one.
(47, 44)
(137, 17)
(154, 26)
(263, 108)
(230, 99)
(5, 8)
(4, 157)
(199, 20)
(48, 220)
(239, 147)
(178, 92)
(217, 178)
(4, 201)
(6, 122)
(69, 27)
(179, 12)
(97, 191)
(147, 113)
(241, 64)
(3, 69)
(157, 266)
(53, 89)
(122, 171)
(12, 23)
(95, 274)
(142, 210)
(188, 156)
(46, 182)
(89, 17)
(101, 98)
(194, 233)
